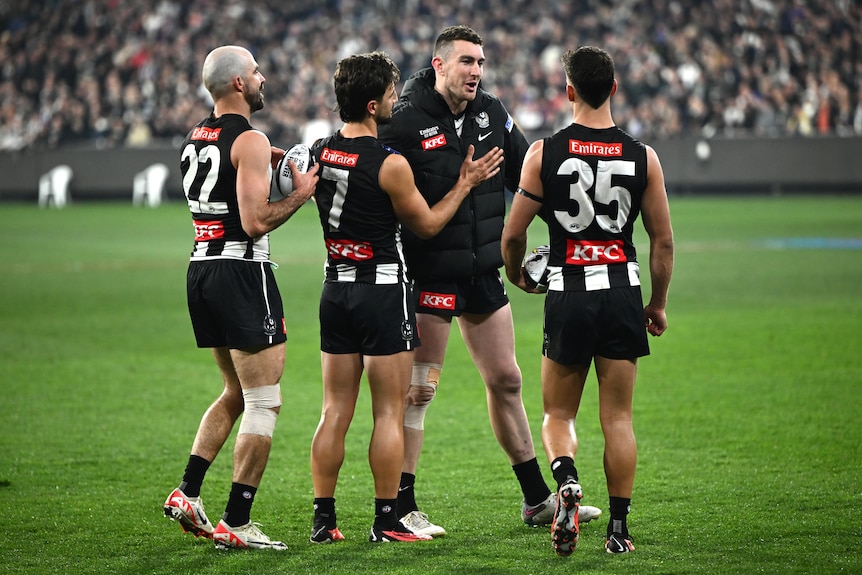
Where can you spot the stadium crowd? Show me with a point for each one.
(112, 73)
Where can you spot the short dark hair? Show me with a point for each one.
(360, 78)
(590, 71)
(444, 41)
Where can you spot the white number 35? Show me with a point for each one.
(605, 194)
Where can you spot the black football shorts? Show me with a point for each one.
(371, 319)
(480, 295)
(580, 325)
(234, 303)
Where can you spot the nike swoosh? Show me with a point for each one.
(531, 512)
(483, 136)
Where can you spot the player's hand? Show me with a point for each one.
(519, 281)
(304, 185)
(656, 320)
(474, 172)
(276, 153)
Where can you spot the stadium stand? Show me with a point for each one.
(110, 73)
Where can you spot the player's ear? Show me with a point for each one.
(371, 107)
(570, 92)
(614, 88)
(437, 64)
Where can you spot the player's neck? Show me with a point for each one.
(368, 127)
(456, 105)
(593, 118)
(223, 107)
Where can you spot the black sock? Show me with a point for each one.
(620, 507)
(384, 514)
(193, 478)
(324, 511)
(238, 510)
(564, 469)
(533, 485)
(407, 494)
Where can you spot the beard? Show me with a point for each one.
(254, 100)
(383, 120)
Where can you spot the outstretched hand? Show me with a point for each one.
(474, 172)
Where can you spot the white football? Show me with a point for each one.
(282, 178)
(536, 268)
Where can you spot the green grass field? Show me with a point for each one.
(747, 413)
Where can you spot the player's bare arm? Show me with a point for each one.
(655, 212)
(252, 155)
(396, 179)
(524, 209)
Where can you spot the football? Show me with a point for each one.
(282, 179)
(536, 268)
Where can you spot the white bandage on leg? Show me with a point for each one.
(425, 376)
(259, 417)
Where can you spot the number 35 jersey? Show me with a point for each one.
(209, 184)
(593, 182)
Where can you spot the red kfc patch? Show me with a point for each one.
(437, 300)
(434, 142)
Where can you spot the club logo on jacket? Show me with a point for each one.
(483, 120)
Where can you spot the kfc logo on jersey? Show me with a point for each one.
(605, 149)
(339, 158)
(434, 142)
(587, 253)
(206, 231)
(437, 300)
(349, 250)
(205, 134)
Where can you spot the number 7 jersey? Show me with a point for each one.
(593, 181)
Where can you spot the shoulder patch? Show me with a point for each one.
(390, 150)
(509, 122)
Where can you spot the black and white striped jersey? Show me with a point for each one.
(360, 229)
(209, 184)
(593, 181)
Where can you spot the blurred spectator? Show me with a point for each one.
(111, 73)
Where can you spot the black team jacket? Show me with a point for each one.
(423, 130)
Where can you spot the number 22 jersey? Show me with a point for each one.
(209, 184)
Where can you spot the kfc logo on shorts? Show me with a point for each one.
(588, 253)
(349, 250)
(434, 142)
(206, 231)
(437, 300)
